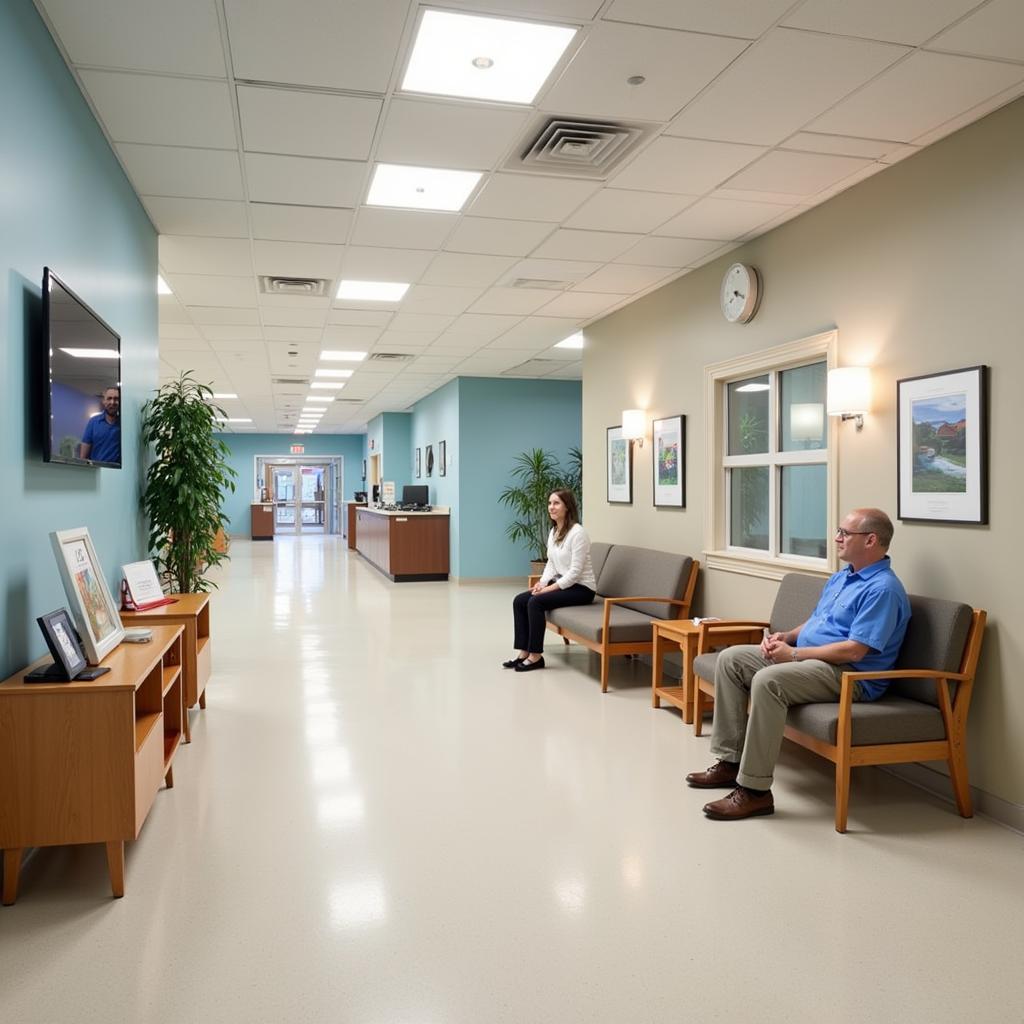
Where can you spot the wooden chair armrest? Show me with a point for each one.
(908, 673)
(655, 600)
(725, 633)
(532, 580)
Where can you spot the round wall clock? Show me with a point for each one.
(741, 293)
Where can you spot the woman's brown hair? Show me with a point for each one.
(572, 513)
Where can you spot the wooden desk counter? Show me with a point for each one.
(193, 612)
(81, 762)
(405, 546)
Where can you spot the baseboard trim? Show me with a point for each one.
(1003, 812)
(476, 581)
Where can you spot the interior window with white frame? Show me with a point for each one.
(772, 492)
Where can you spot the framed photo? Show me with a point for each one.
(92, 606)
(620, 468)
(419, 463)
(668, 451)
(942, 447)
(364, 469)
(442, 458)
(62, 642)
(430, 460)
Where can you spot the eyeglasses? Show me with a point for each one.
(841, 532)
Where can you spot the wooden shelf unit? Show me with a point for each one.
(81, 762)
(193, 612)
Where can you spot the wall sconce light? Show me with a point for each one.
(634, 425)
(849, 393)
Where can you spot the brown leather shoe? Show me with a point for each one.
(740, 803)
(722, 774)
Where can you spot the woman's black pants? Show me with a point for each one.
(530, 610)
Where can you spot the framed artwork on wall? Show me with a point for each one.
(419, 463)
(669, 454)
(430, 460)
(92, 606)
(364, 469)
(442, 458)
(620, 468)
(942, 447)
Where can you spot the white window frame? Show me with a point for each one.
(718, 553)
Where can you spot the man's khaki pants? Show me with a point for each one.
(741, 673)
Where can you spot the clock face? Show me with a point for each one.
(741, 293)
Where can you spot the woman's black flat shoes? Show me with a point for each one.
(529, 666)
(512, 663)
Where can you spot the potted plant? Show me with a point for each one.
(185, 484)
(536, 474)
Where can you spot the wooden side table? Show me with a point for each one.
(669, 633)
(193, 612)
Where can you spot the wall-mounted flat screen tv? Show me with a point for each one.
(83, 381)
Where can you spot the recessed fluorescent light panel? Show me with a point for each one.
(333, 385)
(162, 288)
(334, 373)
(92, 353)
(320, 398)
(232, 419)
(421, 188)
(224, 394)
(573, 341)
(343, 357)
(483, 58)
(373, 291)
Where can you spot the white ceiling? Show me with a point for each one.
(250, 132)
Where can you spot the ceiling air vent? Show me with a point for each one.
(391, 357)
(577, 148)
(289, 380)
(549, 284)
(271, 285)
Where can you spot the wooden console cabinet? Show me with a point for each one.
(405, 546)
(81, 762)
(193, 612)
(261, 519)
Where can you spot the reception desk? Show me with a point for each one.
(405, 546)
(349, 521)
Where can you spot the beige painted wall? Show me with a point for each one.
(921, 268)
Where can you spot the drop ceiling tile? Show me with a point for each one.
(231, 332)
(402, 229)
(224, 315)
(537, 332)
(667, 252)
(970, 116)
(246, 349)
(564, 272)
(721, 219)
(572, 10)
(403, 341)
(300, 223)
(900, 152)
(843, 145)
(531, 197)
(297, 259)
(146, 35)
(481, 326)
(364, 263)
(685, 166)
(162, 111)
(214, 217)
(995, 30)
(420, 322)
(453, 135)
(582, 304)
(797, 174)
(917, 96)
(740, 18)
(511, 301)
(187, 343)
(794, 75)
(622, 279)
(677, 65)
(619, 209)
(349, 338)
(180, 254)
(497, 237)
(294, 301)
(359, 317)
(337, 45)
(567, 371)
(172, 311)
(565, 244)
(179, 171)
(909, 21)
(296, 123)
(454, 268)
(425, 298)
(176, 330)
(294, 317)
(275, 333)
(304, 181)
(200, 290)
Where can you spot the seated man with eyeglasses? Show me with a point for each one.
(858, 624)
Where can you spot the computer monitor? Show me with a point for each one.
(414, 494)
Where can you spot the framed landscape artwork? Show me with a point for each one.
(442, 458)
(942, 447)
(430, 460)
(419, 463)
(669, 454)
(620, 468)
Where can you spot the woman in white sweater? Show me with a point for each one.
(568, 579)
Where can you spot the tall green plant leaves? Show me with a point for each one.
(536, 474)
(185, 483)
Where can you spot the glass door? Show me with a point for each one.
(313, 499)
(284, 491)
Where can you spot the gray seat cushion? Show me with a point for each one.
(886, 720)
(704, 666)
(624, 625)
(935, 638)
(642, 572)
(598, 554)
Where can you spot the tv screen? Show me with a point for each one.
(83, 381)
(414, 494)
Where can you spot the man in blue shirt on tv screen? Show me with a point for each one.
(858, 624)
(101, 441)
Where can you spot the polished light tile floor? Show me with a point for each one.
(377, 824)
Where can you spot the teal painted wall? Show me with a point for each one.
(435, 419)
(245, 448)
(64, 203)
(391, 436)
